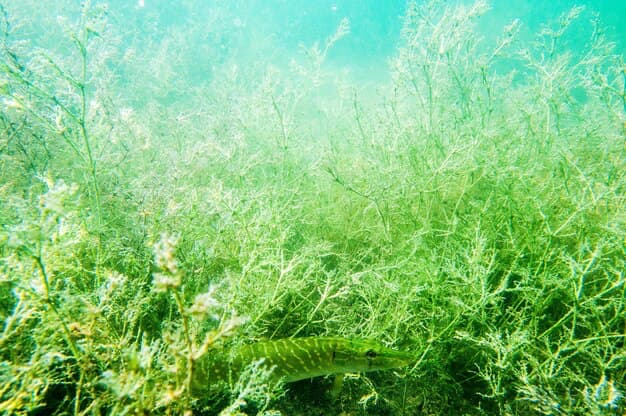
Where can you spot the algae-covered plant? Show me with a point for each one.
(199, 194)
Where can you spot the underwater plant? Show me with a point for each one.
(198, 216)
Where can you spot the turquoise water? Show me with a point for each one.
(276, 30)
(374, 25)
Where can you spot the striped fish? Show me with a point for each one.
(301, 358)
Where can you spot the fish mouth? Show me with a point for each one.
(396, 359)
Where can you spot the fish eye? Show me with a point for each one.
(370, 354)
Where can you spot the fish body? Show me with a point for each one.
(294, 359)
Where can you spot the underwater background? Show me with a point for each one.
(182, 183)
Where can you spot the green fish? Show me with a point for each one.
(301, 358)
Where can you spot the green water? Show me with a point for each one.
(179, 179)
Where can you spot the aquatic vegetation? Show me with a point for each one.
(160, 216)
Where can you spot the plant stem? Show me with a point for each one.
(189, 356)
(48, 301)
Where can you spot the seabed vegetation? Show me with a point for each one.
(155, 209)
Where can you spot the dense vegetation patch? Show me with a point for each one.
(156, 209)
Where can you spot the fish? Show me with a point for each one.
(294, 359)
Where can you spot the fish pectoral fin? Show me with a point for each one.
(337, 385)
